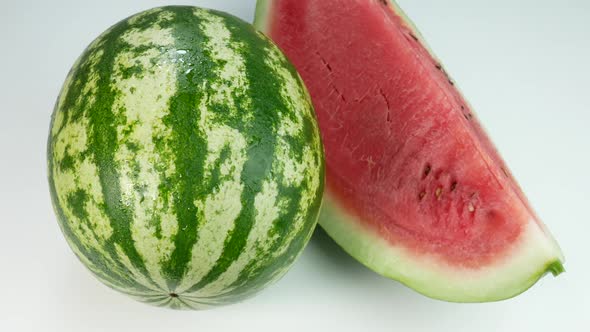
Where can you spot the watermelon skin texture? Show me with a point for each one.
(415, 189)
(184, 158)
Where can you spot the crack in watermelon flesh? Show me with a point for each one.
(406, 157)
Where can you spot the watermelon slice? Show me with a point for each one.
(415, 189)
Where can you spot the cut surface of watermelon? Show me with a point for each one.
(415, 189)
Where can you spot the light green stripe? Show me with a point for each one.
(138, 157)
(267, 211)
(220, 208)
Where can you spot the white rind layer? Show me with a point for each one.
(535, 254)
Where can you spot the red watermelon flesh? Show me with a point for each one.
(415, 188)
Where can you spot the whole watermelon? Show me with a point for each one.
(184, 158)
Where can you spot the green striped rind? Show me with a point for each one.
(184, 157)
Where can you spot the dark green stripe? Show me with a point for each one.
(73, 109)
(104, 142)
(265, 100)
(106, 272)
(255, 275)
(187, 142)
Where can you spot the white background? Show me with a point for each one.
(524, 65)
